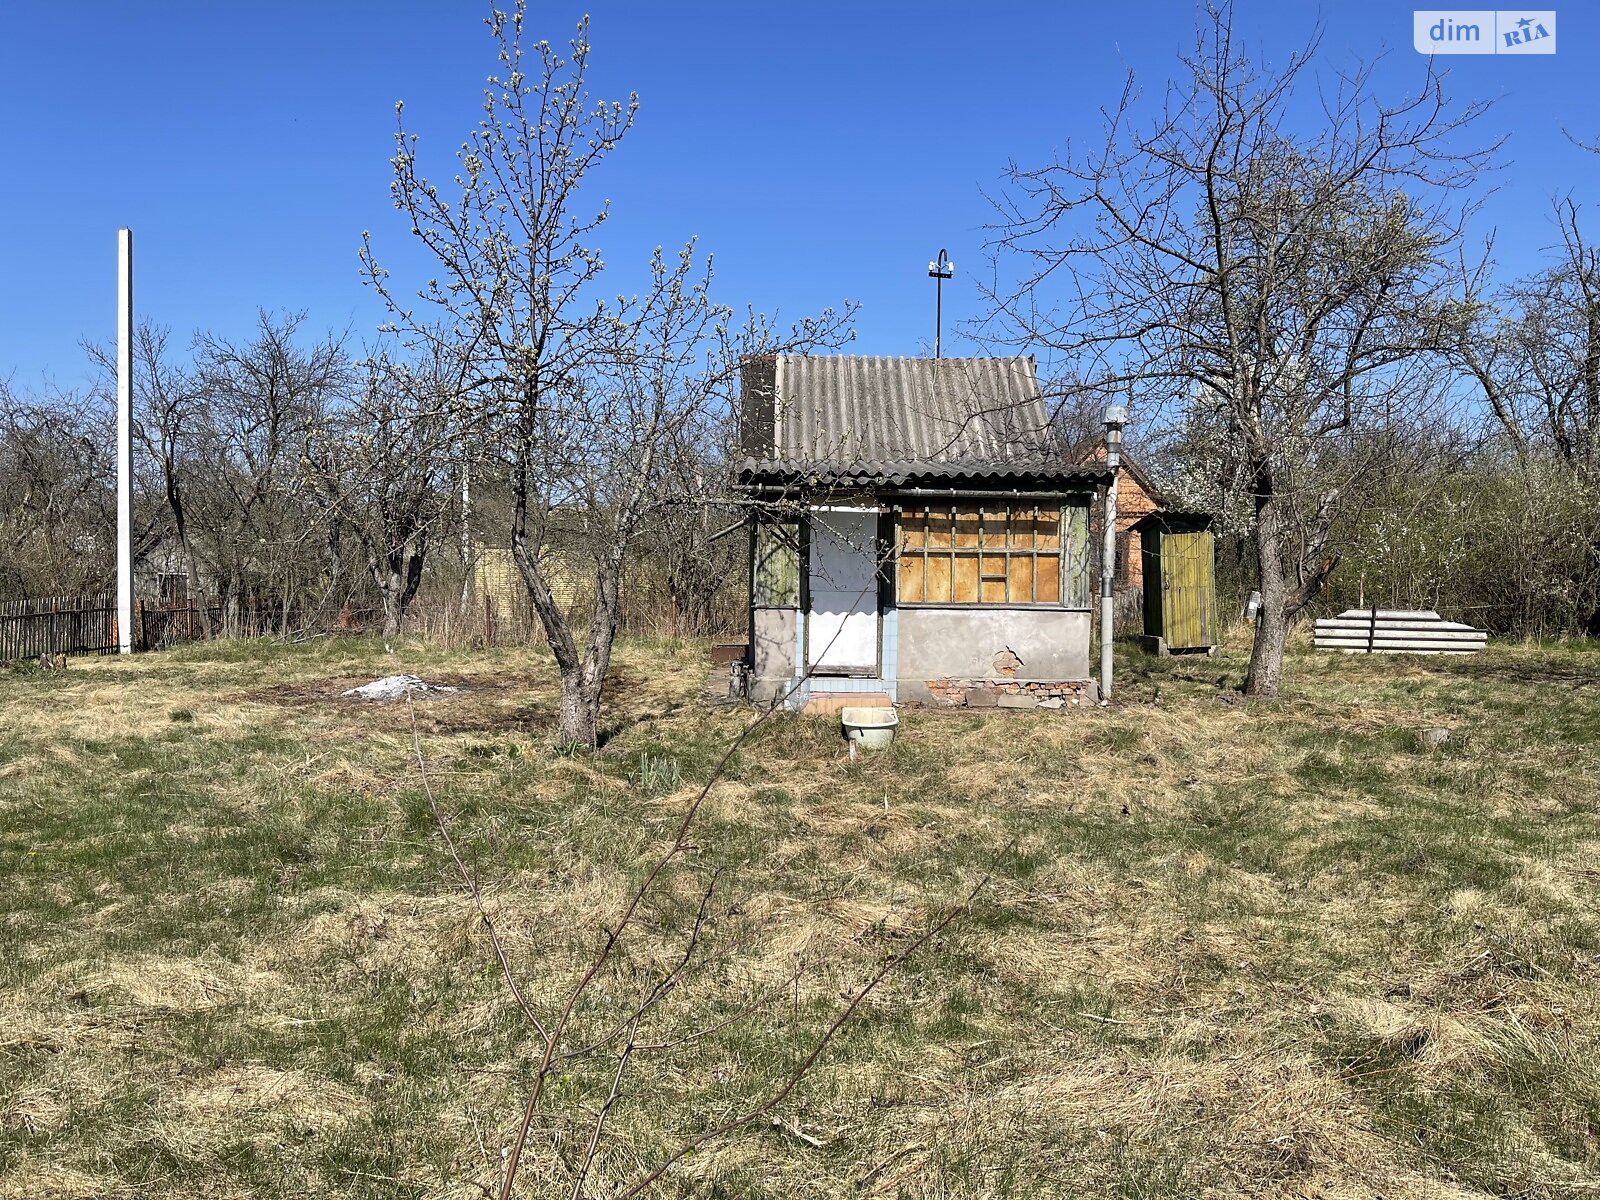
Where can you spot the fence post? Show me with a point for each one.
(141, 637)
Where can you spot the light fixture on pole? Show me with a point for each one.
(1116, 417)
(939, 270)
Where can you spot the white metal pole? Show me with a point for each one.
(125, 629)
(1108, 570)
(1116, 417)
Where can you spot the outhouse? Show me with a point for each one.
(1180, 582)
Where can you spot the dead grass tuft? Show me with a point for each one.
(34, 1110)
(32, 1178)
(259, 1099)
(179, 985)
(395, 931)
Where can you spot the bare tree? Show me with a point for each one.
(581, 392)
(1214, 257)
(168, 425)
(697, 534)
(262, 396)
(1077, 411)
(57, 495)
(1534, 349)
(382, 460)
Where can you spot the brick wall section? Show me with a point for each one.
(986, 693)
(1133, 502)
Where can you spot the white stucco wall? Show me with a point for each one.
(963, 643)
(773, 636)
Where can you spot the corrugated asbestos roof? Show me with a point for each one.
(892, 420)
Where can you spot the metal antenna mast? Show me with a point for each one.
(939, 270)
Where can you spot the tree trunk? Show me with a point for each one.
(390, 593)
(1266, 655)
(1272, 620)
(393, 611)
(197, 597)
(191, 568)
(578, 719)
(582, 677)
(397, 578)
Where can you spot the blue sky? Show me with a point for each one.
(822, 151)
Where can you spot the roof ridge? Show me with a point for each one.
(914, 358)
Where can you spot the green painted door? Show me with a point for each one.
(1188, 590)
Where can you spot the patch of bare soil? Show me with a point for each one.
(484, 704)
(330, 692)
(484, 718)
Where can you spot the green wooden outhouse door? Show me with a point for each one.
(1180, 581)
(1188, 593)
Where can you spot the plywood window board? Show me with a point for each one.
(982, 552)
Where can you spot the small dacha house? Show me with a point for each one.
(919, 534)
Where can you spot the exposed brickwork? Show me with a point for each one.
(953, 692)
(1134, 500)
(1133, 503)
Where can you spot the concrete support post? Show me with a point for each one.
(125, 629)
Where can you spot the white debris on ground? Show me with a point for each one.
(397, 687)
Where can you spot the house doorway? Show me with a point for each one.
(842, 579)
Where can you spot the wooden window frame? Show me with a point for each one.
(1014, 507)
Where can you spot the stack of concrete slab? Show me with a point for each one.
(1397, 631)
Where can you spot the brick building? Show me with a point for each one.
(1137, 498)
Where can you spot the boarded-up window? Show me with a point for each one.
(993, 552)
(775, 580)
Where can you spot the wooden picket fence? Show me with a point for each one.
(75, 625)
(80, 625)
(57, 625)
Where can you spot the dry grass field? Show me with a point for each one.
(1226, 949)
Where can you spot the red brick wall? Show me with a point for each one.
(1133, 503)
